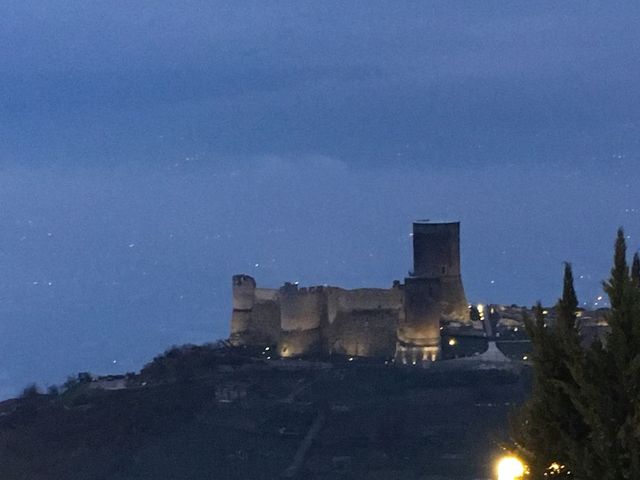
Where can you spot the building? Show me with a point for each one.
(401, 322)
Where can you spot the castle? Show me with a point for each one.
(402, 322)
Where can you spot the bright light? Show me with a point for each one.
(452, 342)
(509, 468)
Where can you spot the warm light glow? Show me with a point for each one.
(453, 342)
(510, 468)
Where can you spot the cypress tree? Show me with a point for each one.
(549, 424)
(619, 273)
(533, 428)
(584, 410)
(635, 270)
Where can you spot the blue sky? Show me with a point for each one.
(149, 151)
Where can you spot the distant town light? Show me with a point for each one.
(510, 468)
(351, 359)
(267, 349)
(453, 342)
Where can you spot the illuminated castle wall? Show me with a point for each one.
(402, 321)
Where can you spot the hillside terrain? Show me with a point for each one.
(225, 413)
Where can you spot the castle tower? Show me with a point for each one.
(436, 256)
(256, 313)
(433, 291)
(244, 290)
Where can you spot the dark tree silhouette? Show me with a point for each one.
(583, 415)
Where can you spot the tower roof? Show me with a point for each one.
(429, 221)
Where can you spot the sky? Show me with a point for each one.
(149, 151)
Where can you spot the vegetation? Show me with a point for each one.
(187, 362)
(583, 415)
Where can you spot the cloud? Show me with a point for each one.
(385, 84)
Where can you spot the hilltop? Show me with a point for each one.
(216, 411)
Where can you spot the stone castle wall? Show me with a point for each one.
(363, 322)
(303, 313)
(341, 300)
(317, 320)
(402, 321)
(363, 333)
(370, 322)
(302, 309)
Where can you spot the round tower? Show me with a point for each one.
(244, 297)
(436, 249)
(436, 256)
(432, 292)
(418, 334)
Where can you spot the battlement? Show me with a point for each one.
(292, 288)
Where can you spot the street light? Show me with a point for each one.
(510, 468)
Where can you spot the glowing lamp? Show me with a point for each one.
(510, 468)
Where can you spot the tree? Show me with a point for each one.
(30, 392)
(584, 411)
(635, 270)
(53, 390)
(548, 425)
